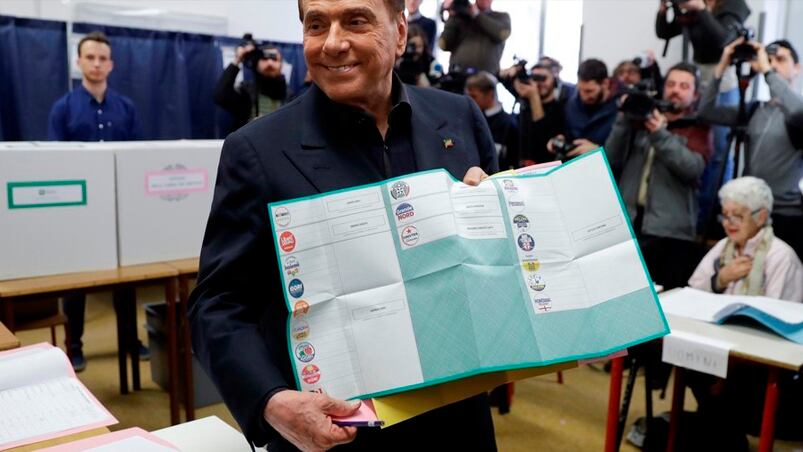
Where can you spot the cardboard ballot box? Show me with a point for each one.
(164, 193)
(57, 213)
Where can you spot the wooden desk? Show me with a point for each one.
(181, 347)
(61, 440)
(7, 339)
(748, 344)
(18, 290)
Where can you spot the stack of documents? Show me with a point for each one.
(41, 398)
(421, 280)
(783, 317)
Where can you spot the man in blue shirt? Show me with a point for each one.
(92, 112)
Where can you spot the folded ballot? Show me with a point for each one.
(421, 279)
(783, 317)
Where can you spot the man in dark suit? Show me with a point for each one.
(356, 124)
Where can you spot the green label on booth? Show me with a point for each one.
(33, 194)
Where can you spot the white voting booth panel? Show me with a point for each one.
(57, 214)
(164, 193)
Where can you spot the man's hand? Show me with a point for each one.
(305, 419)
(694, 5)
(761, 65)
(583, 146)
(549, 145)
(734, 271)
(241, 51)
(725, 60)
(526, 90)
(474, 176)
(655, 122)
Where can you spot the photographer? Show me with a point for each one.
(589, 113)
(258, 96)
(415, 65)
(541, 115)
(708, 23)
(771, 154)
(474, 34)
(482, 89)
(632, 72)
(427, 25)
(660, 157)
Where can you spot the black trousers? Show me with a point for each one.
(75, 310)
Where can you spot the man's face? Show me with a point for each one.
(412, 5)
(269, 67)
(484, 5)
(546, 87)
(95, 61)
(350, 47)
(629, 75)
(784, 64)
(679, 89)
(484, 100)
(592, 92)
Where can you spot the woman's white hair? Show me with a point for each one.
(748, 191)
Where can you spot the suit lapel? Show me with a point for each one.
(434, 143)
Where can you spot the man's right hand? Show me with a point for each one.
(734, 271)
(526, 90)
(305, 419)
(241, 51)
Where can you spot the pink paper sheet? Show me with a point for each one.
(365, 413)
(108, 438)
(110, 420)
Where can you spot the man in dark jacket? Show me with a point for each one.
(262, 94)
(482, 89)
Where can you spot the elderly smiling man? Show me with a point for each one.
(357, 124)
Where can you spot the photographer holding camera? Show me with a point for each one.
(415, 66)
(707, 23)
(659, 157)
(772, 147)
(259, 96)
(541, 115)
(474, 34)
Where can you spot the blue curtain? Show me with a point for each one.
(33, 75)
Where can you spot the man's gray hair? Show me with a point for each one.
(483, 81)
(748, 191)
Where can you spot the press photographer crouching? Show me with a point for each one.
(659, 150)
(417, 66)
(263, 93)
(541, 115)
(773, 149)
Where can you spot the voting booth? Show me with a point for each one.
(57, 214)
(164, 193)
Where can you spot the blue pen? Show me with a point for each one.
(358, 423)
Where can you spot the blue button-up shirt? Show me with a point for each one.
(79, 117)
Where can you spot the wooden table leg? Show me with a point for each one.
(186, 350)
(678, 397)
(172, 350)
(122, 341)
(614, 396)
(770, 407)
(129, 294)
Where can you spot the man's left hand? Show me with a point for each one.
(583, 146)
(655, 122)
(761, 65)
(474, 176)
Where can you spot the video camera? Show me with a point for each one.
(744, 52)
(260, 52)
(641, 101)
(454, 81)
(561, 148)
(457, 8)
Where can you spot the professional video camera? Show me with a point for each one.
(454, 81)
(562, 147)
(641, 101)
(744, 52)
(260, 52)
(525, 75)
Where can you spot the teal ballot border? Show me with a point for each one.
(582, 326)
(10, 186)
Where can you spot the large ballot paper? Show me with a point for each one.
(422, 279)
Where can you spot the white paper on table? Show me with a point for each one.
(695, 352)
(711, 307)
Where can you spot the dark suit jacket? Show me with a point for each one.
(238, 314)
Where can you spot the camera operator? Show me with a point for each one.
(708, 23)
(474, 34)
(541, 115)
(259, 96)
(428, 25)
(772, 148)
(481, 88)
(589, 113)
(659, 158)
(415, 65)
(632, 72)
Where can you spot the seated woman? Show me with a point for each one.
(750, 260)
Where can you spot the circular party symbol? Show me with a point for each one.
(531, 265)
(399, 190)
(291, 266)
(287, 241)
(282, 216)
(305, 352)
(300, 330)
(522, 222)
(404, 211)
(300, 308)
(409, 235)
(310, 374)
(526, 242)
(515, 204)
(296, 288)
(536, 282)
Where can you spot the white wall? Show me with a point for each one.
(275, 20)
